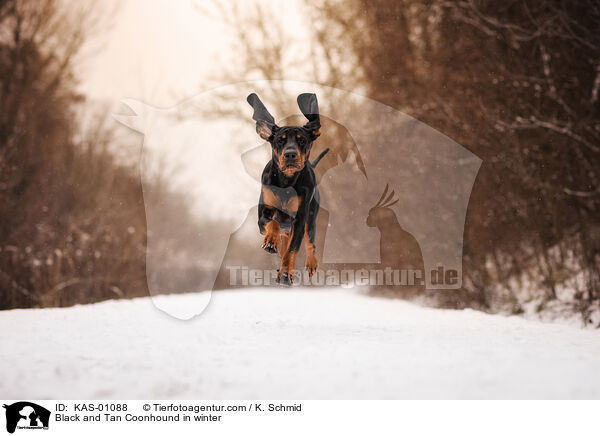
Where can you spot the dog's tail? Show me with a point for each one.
(319, 157)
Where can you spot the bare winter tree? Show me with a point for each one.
(72, 222)
(518, 85)
(515, 83)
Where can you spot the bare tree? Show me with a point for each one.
(515, 83)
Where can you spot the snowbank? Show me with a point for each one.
(291, 343)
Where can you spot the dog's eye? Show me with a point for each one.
(281, 140)
(301, 140)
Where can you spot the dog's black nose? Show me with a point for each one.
(290, 154)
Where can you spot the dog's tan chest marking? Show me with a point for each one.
(292, 204)
(272, 200)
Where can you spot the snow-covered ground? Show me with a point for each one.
(291, 344)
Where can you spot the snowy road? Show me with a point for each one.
(291, 344)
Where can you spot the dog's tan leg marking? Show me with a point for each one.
(288, 258)
(311, 259)
(272, 234)
(288, 263)
(285, 242)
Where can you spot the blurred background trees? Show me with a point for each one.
(72, 218)
(517, 84)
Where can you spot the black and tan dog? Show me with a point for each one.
(289, 199)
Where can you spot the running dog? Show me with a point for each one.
(289, 198)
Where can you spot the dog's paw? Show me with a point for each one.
(271, 243)
(311, 264)
(285, 279)
(269, 247)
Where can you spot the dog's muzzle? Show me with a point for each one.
(290, 154)
(290, 157)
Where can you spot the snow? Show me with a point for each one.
(291, 344)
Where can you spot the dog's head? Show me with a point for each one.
(290, 144)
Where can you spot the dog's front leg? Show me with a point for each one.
(268, 227)
(288, 259)
(272, 237)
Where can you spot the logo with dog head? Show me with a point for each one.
(26, 415)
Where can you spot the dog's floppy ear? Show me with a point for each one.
(265, 123)
(310, 108)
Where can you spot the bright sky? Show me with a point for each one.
(151, 49)
(163, 53)
(160, 51)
